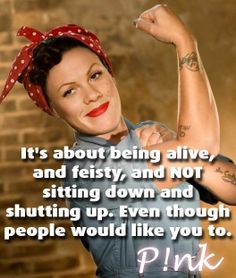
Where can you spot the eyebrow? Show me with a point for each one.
(87, 73)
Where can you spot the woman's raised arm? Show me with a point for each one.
(197, 123)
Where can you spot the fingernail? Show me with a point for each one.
(135, 21)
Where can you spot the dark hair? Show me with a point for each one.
(48, 54)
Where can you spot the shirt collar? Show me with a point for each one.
(84, 140)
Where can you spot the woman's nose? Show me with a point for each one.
(91, 94)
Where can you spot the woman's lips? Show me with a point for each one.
(99, 110)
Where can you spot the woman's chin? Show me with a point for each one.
(104, 127)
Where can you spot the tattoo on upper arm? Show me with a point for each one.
(191, 62)
(182, 130)
(227, 176)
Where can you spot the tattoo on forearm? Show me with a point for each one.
(182, 130)
(227, 176)
(190, 60)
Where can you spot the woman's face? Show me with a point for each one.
(83, 93)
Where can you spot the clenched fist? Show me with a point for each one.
(154, 134)
(164, 25)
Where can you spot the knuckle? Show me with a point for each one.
(155, 138)
(143, 134)
(144, 15)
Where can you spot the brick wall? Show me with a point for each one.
(22, 124)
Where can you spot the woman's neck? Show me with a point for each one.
(116, 135)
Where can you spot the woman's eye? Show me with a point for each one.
(68, 92)
(96, 75)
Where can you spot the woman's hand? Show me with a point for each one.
(164, 25)
(154, 134)
(197, 121)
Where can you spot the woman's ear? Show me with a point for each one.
(55, 114)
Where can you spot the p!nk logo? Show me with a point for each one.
(150, 254)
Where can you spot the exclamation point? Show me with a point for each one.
(165, 268)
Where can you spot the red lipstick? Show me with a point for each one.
(98, 110)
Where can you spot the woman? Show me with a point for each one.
(67, 73)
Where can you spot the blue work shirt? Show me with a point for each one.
(117, 257)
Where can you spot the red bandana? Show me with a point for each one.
(23, 62)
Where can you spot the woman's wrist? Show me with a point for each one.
(186, 44)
